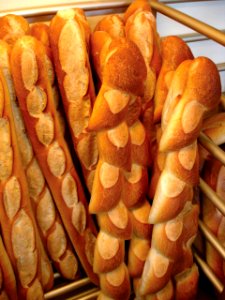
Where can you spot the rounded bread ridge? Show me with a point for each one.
(13, 27)
(199, 94)
(174, 51)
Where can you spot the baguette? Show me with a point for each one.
(121, 85)
(48, 223)
(70, 27)
(140, 27)
(18, 226)
(176, 224)
(174, 51)
(135, 179)
(8, 289)
(31, 80)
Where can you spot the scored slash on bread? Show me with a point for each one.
(41, 32)
(30, 73)
(13, 27)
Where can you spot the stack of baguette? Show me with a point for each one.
(34, 145)
(35, 95)
(146, 103)
(140, 26)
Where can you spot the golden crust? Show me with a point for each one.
(104, 199)
(125, 68)
(141, 226)
(137, 5)
(107, 225)
(135, 192)
(99, 41)
(41, 32)
(174, 51)
(187, 284)
(201, 94)
(151, 283)
(112, 154)
(160, 212)
(113, 25)
(102, 265)
(13, 27)
(102, 117)
(120, 292)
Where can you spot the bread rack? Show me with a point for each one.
(83, 289)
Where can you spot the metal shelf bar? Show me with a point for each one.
(216, 151)
(211, 238)
(209, 273)
(210, 193)
(67, 288)
(189, 21)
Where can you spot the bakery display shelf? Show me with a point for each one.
(83, 289)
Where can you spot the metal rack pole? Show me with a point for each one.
(191, 22)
